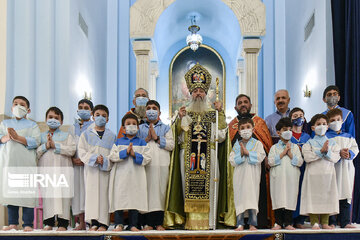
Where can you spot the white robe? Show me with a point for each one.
(284, 176)
(127, 186)
(247, 172)
(157, 171)
(65, 147)
(345, 170)
(96, 176)
(14, 154)
(319, 193)
(221, 137)
(78, 201)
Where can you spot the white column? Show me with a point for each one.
(3, 16)
(154, 74)
(240, 72)
(251, 48)
(142, 50)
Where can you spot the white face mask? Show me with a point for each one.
(19, 111)
(286, 135)
(335, 125)
(321, 130)
(131, 129)
(246, 133)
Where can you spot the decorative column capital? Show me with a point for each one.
(252, 45)
(142, 47)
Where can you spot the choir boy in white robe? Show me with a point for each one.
(85, 107)
(319, 193)
(345, 170)
(56, 149)
(19, 138)
(128, 188)
(94, 149)
(246, 157)
(159, 138)
(285, 161)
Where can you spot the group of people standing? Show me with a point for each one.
(198, 173)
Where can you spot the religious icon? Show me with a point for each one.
(203, 161)
(192, 161)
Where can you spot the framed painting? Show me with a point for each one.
(182, 62)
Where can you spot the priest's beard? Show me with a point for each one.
(198, 105)
(140, 111)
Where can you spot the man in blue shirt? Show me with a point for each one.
(281, 100)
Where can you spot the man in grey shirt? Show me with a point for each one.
(281, 100)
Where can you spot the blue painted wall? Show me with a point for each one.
(49, 59)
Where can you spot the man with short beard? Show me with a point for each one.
(281, 100)
(190, 199)
(261, 132)
(141, 97)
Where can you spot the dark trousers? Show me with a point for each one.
(61, 222)
(133, 218)
(283, 217)
(97, 224)
(154, 219)
(28, 215)
(343, 217)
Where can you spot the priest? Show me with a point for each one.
(191, 202)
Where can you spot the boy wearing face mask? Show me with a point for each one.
(94, 149)
(345, 170)
(319, 193)
(331, 96)
(159, 138)
(246, 156)
(285, 160)
(127, 187)
(56, 149)
(299, 137)
(85, 107)
(19, 138)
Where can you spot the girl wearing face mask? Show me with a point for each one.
(127, 186)
(345, 170)
(299, 137)
(246, 156)
(56, 149)
(319, 195)
(159, 138)
(285, 160)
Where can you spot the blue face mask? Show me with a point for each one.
(152, 114)
(53, 123)
(298, 121)
(84, 114)
(141, 101)
(100, 121)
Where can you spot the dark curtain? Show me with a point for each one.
(346, 34)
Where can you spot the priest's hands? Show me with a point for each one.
(182, 112)
(325, 147)
(100, 160)
(130, 150)
(344, 153)
(243, 149)
(218, 106)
